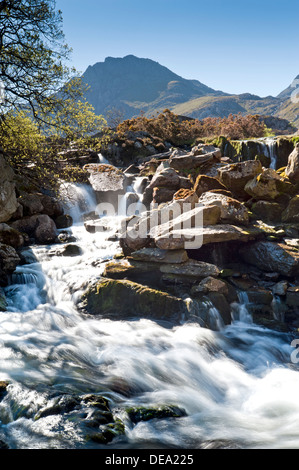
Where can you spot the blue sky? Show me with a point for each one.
(235, 46)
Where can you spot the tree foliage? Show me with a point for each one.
(38, 152)
(33, 56)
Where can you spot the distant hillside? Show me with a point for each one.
(131, 85)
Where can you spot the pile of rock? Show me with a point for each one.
(212, 229)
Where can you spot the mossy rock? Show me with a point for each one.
(120, 299)
(161, 412)
(108, 432)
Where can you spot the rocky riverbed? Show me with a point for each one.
(109, 292)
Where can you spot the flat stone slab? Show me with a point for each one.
(194, 238)
(160, 256)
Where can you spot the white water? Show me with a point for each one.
(235, 384)
(269, 150)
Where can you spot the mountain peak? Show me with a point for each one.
(135, 84)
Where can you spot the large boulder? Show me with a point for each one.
(237, 175)
(232, 211)
(38, 203)
(140, 232)
(195, 238)
(195, 159)
(291, 213)
(167, 178)
(121, 299)
(10, 236)
(8, 199)
(104, 177)
(267, 211)
(268, 185)
(272, 257)
(292, 169)
(205, 183)
(40, 227)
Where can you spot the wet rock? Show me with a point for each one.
(27, 256)
(160, 412)
(65, 237)
(126, 299)
(10, 236)
(40, 227)
(108, 432)
(237, 175)
(260, 296)
(3, 445)
(59, 405)
(292, 169)
(292, 298)
(3, 305)
(272, 257)
(3, 388)
(9, 258)
(280, 288)
(64, 221)
(220, 302)
(210, 284)
(71, 250)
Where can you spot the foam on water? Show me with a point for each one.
(236, 383)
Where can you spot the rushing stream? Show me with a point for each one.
(237, 385)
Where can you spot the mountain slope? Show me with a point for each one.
(133, 84)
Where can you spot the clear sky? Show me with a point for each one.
(235, 46)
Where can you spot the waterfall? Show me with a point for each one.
(240, 311)
(215, 320)
(132, 200)
(268, 148)
(78, 199)
(102, 159)
(235, 383)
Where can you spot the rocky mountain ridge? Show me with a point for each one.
(132, 85)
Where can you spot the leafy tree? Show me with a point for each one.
(38, 152)
(33, 55)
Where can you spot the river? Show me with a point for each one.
(238, 385)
